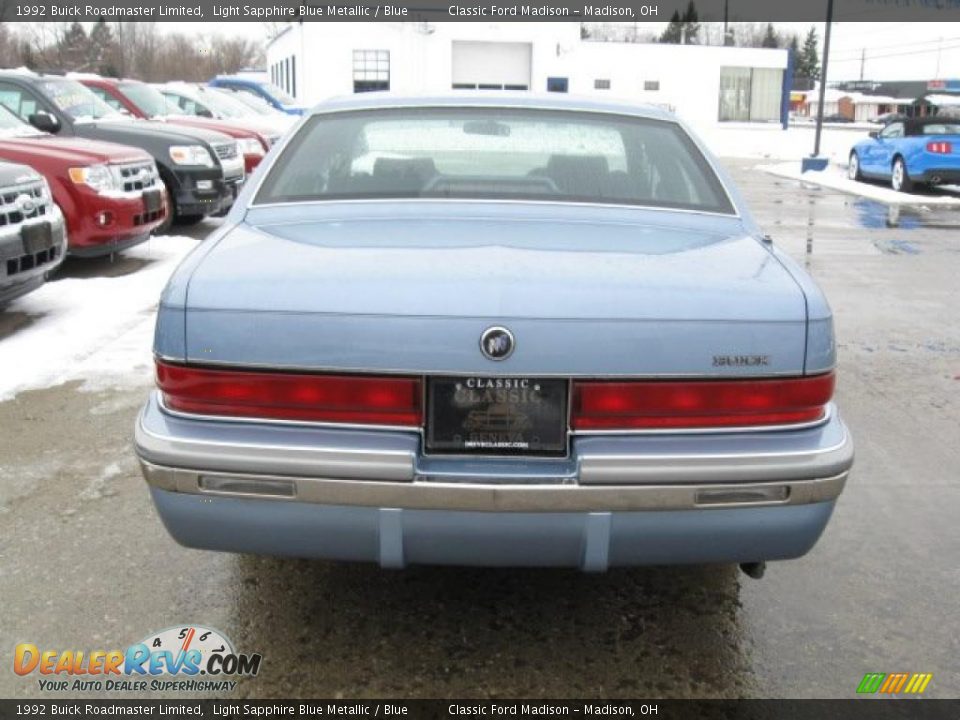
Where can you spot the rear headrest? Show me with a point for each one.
(422, 168)
(578, 174)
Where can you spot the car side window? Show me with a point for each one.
(893, 130)
(18, 100)
(107, 98)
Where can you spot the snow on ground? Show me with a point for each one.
(835, 178)
(774, 143)
(95, 329)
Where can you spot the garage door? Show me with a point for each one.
(491, 66)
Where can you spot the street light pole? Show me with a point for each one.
(823, 77)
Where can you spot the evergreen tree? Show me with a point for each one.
(770, 39)
(691, 25)
(103, 49)
(674, 30)
(808, 62)
(73, 48)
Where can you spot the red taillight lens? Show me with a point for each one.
(291, 396)
(649, 404)
(940, 148)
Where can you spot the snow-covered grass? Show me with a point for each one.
(774, 143)
(95, 329)
(835, 178)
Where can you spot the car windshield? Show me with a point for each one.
(224, 104)
(150, 100)
(494, 153)
(256, 104)
(77, 100)
(275, 92)
(12, 126)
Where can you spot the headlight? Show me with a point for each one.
(97, 177)
(191, 155)
(250, 146)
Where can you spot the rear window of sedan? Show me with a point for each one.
(494, 153)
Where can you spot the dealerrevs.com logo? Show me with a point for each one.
(185, 658)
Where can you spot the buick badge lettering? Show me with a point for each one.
(497, 343)
(740, 360)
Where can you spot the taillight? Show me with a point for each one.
(604, 405)
(940, 147)
(291, 396)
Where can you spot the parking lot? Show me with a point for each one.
(85, 563)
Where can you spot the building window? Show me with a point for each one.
(651, 85)
(750, 94)
(601, 84)
(371, 70)
(557, 84)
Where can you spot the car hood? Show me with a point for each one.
(131, 130)
(351, 287)
(70, 151)
(235, 130)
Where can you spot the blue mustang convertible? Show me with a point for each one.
(910, 152)
(491, 330)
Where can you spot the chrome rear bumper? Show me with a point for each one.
(617, 500)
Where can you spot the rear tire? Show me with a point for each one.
(853, 168)
(899, 177)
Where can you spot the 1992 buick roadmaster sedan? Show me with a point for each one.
(482, 330)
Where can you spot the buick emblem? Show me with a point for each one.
(497, 343)
(26, 204)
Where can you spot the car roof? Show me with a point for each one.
(495, 99)
(915, 126)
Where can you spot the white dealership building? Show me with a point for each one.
(703, 84)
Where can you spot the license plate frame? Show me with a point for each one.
(505, 416)
(36, 237)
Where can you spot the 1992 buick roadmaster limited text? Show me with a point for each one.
(483, 330)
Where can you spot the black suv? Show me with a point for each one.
(201, 169)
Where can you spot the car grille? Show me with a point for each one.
(33, 260)
(137, 176)
(11, 211)
(225, 151)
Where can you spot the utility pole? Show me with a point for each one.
(823, 78)
(726, 15)
(863, 60)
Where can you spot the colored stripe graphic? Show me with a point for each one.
(894, 683)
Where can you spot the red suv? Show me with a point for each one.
(145, 101)
(111, 195)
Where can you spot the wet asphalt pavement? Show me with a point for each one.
(85, 563)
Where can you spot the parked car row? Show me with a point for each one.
(92, 165)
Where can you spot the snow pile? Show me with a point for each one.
(774, 143)
(96, 329)
(835, 178)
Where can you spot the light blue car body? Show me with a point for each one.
(407, 287)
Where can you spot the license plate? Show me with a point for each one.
(152, 201)
(497, 416)
(36, 237)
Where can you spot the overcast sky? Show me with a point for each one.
(893, 51)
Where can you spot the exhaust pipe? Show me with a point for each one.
(754, 570)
